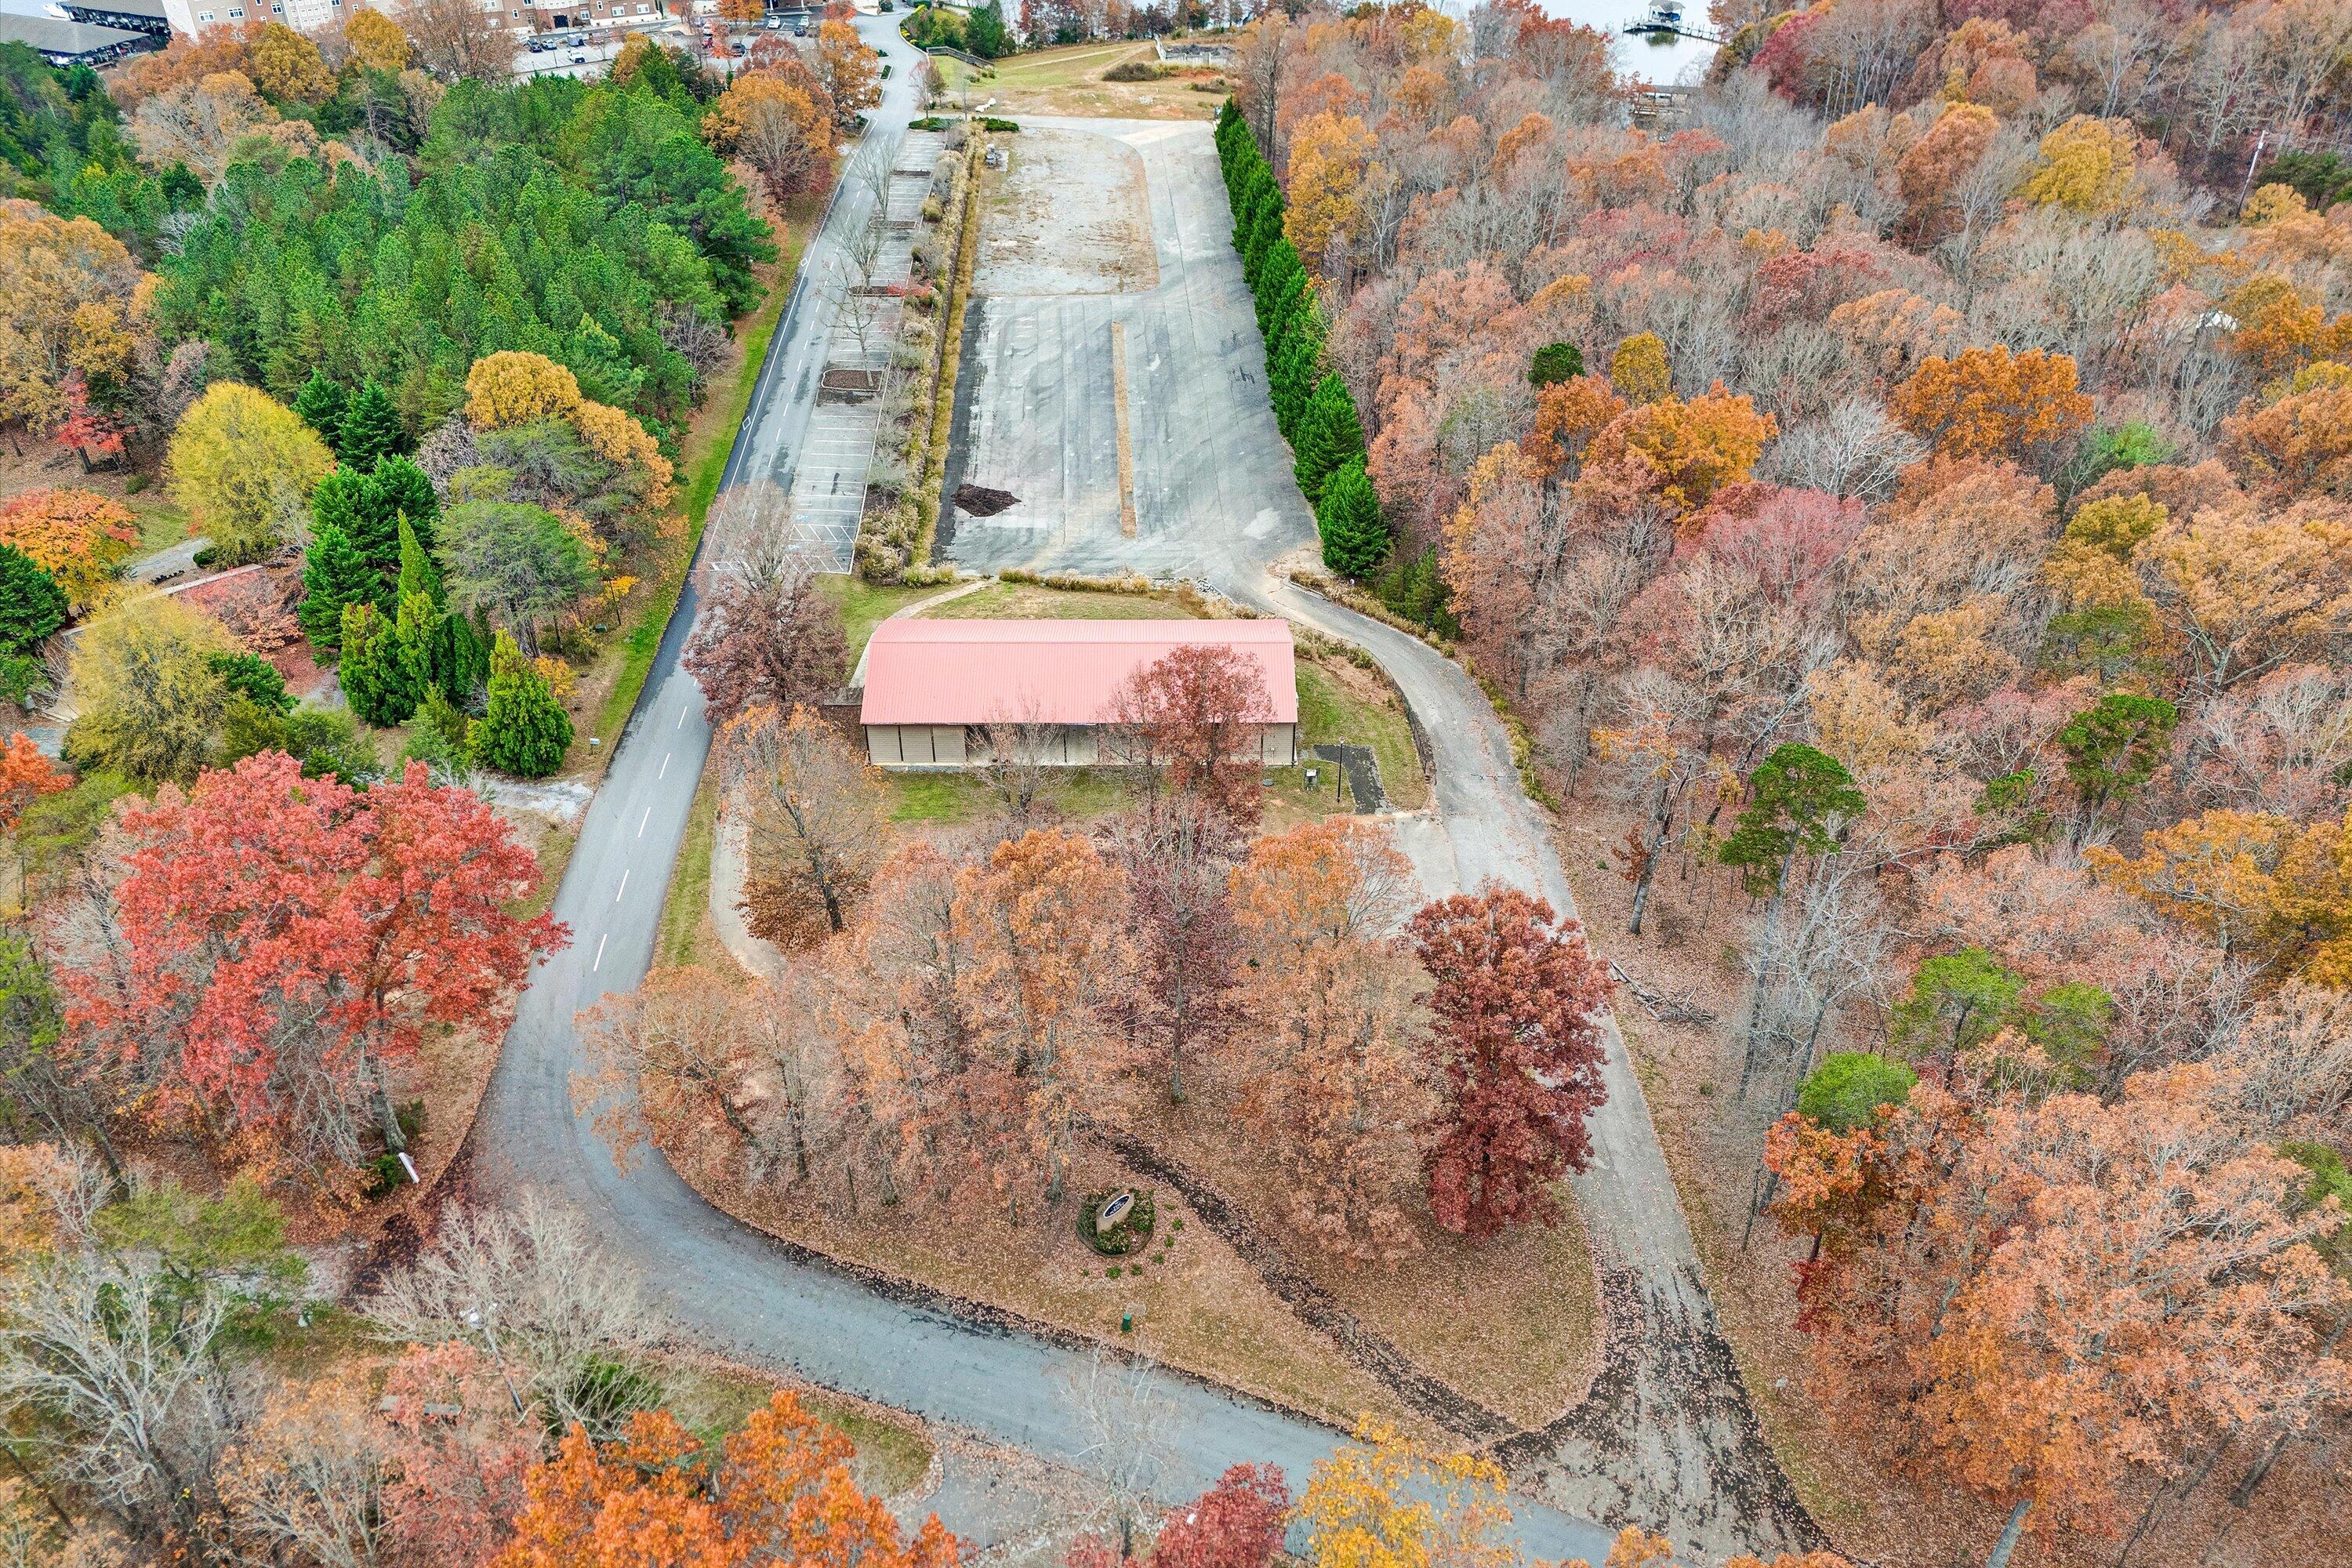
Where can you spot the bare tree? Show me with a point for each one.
(1021, 745)
(813, 823)
(457, 38)
(768, 633)
(530, 1287)
(1854, 448)
(109, 1357)
(1123, 1415)
(1820, 945)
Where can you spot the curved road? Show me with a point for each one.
(727, 1285)
(1667, 1438)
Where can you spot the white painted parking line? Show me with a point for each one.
(648, 816)
(623, 887)
(600, 952)
(664, 768)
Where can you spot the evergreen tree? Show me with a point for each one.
(1329, 435)
(1261, 219)
(412, 636)
(1282, 286)
(1554, 362)
(320, 403)
(375, 678)
(418, 575)
(368, 504)
(253, 678)
(32, 605)
(439, 716)
(399, 489)
(985, 32)
(334, 576)
(460, 658)
(523, 730)
(371, 429)
(1355, 537)
(1291, 381)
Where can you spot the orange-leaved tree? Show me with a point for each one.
(1197, 711)
(1695, 447)
(78, 537)
(1991, 403)
(779, 1494)
(1344, 1094)
(2043, 1300)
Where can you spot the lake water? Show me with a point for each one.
(1637, 56)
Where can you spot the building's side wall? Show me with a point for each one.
(1072, 746)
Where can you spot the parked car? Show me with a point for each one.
(579, 57)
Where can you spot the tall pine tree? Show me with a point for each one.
(320, 403)
(375, 679)
(1329, 435)
(371, 429)
(334, 575)
(1355, 537)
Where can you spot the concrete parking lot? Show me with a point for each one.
(1066, 319)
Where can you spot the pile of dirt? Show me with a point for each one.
(979, 500)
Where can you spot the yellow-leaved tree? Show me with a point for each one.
(2086, 166)
(149, 701)
(1387, 1501)
(244, 465)
(376, 41)
(1329, 155)
(72, 302)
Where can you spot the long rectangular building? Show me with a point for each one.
(934, 688)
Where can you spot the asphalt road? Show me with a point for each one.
(725, 1286)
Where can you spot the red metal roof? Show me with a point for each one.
(1059, 672)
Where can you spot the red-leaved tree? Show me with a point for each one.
(276, 947)
(1515, 1038)
(1196, 711)
(1178, 854)
(1237, 1523)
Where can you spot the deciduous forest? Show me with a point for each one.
(1898, 487)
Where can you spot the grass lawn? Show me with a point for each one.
(1069, 80)
(1344, 703)
(161, 523)
(1080, 795)
(686, 911)
(1061, 67)
(704, 460)
(712, 1402)
(1029, 602)
(865, 606)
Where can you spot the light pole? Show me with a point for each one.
(482, 1320)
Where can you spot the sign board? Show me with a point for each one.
(1115, 1209)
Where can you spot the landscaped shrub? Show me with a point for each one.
(1131, 1235)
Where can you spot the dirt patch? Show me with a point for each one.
(979, 500)
(1203, 1309)
(1072, 216)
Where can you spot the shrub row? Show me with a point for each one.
(1312, 405)
(894, 545)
